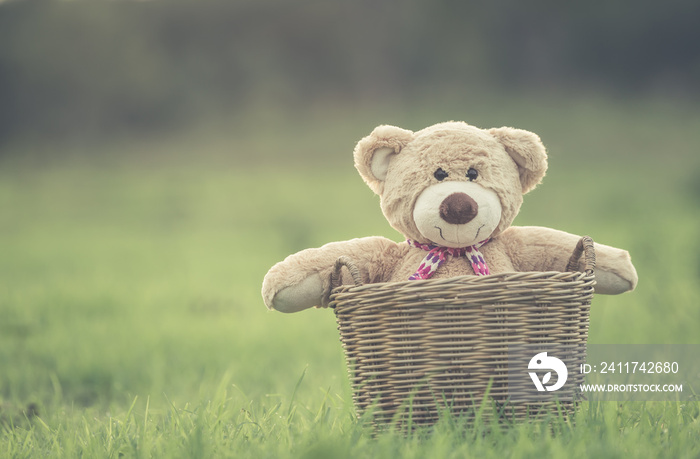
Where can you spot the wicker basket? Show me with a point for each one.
(417, 348)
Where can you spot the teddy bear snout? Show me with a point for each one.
(458, 208)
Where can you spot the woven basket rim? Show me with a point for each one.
(468, 279)
(584, 248)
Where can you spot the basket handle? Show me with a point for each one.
(336, 277)
(585, 247)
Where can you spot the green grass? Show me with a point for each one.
(131, 322)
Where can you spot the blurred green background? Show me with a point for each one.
(156, 158)
(103, 69)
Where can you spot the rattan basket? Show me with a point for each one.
(417, 348)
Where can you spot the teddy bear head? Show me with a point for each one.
(451, 184)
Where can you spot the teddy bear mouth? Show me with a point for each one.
(476, 236)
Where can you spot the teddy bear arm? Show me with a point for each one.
(545, 249)
(302, 280)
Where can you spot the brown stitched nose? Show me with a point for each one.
(458, 209)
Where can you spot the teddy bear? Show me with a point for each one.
(452, 190)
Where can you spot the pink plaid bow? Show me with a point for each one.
(437, 256)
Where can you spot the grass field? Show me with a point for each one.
(131, 323)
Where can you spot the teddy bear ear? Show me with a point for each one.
(374, 153)
(527, 151)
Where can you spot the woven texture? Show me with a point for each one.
(441, 344)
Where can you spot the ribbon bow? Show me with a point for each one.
(437, 256)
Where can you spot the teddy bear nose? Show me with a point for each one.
(458, 208)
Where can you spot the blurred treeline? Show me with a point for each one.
(80, 68)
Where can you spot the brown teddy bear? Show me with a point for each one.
(453, 191)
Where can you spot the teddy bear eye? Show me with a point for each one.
(472, 174)
(440, 174)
